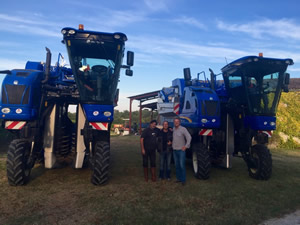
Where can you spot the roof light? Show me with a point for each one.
(71, 31)
(80, 27)
(260, 54)
(117, 36)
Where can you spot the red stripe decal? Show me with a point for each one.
(12, 125)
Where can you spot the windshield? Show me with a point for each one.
(236, 89)
(96, 60)
(263, 93)
(96, 79)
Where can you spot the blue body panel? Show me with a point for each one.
(179, 83)
(260, 122)
(95, 113)
(193, 117)
(34, 66)
(26, 102)
(27, 113)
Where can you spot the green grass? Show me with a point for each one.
(66, 196)
(288, 120)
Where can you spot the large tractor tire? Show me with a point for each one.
(201, 161)
(18, 163)
(100, 163)
(261, 166)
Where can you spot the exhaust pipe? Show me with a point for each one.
(212, 79)
(48, 64)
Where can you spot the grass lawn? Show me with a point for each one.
(66, 196)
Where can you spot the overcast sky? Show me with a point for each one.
(166, 35)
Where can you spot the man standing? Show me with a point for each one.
(165, 150)
(181, 141)
(148, 147)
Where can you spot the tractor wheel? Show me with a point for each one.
(261, 166)
(201, 161)
(18, 163)
(100, 163)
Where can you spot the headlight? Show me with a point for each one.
(204, 121)
(63, 31)
(272, 123)
(96, 113)
(107, 113)
(5, 110)
(71, 31)
(18, 111)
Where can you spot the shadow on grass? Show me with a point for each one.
(37, 171)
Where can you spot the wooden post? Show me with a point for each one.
(140, 129)
(130, 108)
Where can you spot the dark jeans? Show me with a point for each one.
(149, 154)
(179, 159)
(165, 165)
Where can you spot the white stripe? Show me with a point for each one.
(8, 123)
(206, 132)
(267, 133)
(101, 125)
(19, 125)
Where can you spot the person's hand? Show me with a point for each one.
(183, 148)
(143, 152)
(169, 142)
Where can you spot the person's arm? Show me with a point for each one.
(188, 139)
(170, 137)
(142, 146)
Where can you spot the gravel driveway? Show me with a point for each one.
(289, 219)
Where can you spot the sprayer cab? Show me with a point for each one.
(96, 60)
(257, 83)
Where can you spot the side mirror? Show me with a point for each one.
(129, 72)
(130, 58)
(287, 79)
(187, 74)
(212, 79)
(116, 97)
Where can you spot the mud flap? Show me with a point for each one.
(227, 161)
(49, 133)
(80, 146)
